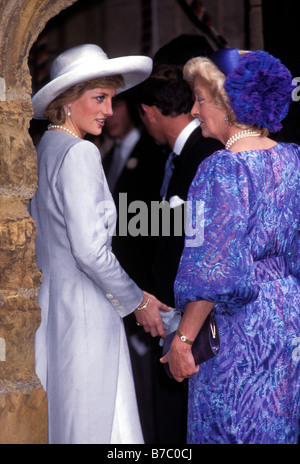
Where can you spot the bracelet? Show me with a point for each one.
(143, 305)
(183, 338)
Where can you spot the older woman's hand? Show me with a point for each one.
(181, 360)
(150, 317)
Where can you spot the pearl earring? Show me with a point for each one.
(69, 111)
(226, 119)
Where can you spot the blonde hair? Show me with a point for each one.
(55, 111)
(212, 79)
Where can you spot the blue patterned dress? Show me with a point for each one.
(249, 264)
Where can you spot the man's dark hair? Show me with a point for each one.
(181, 49)
(167, 90)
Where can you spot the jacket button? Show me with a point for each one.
(109, 296)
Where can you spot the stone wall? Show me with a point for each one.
(23, 406)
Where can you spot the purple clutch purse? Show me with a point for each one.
(205, 346)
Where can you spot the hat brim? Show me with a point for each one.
(135, 69)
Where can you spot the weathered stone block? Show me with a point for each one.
(17, 329)
(23, 413)
(17, 254)
(18, 169)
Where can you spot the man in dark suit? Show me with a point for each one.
(134, 169)
(165, 101)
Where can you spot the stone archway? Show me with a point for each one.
(23, 408)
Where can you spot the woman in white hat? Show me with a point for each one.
(82, 356)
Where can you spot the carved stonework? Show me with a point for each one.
(23, 408)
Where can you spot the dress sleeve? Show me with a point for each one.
(89, 215)
(216, 264)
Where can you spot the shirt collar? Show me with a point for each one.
(184, 135)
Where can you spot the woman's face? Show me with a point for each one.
(211, 118)
(90, 111)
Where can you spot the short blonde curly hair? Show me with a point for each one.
(212, 79)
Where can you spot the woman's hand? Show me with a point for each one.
(181, 360)
(150, 317)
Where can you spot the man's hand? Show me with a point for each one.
(150, 317)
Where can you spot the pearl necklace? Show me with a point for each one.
(240, 135)
(54, 126)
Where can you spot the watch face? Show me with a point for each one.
(183, 338)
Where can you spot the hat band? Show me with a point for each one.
(226, 59)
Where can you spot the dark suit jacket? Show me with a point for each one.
(141, 179)
(170, 248)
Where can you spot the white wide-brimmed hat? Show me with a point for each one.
(84, 63)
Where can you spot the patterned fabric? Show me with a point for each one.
(249, 264)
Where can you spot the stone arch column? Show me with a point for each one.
(23, 408)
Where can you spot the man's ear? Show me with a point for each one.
(148, 112)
